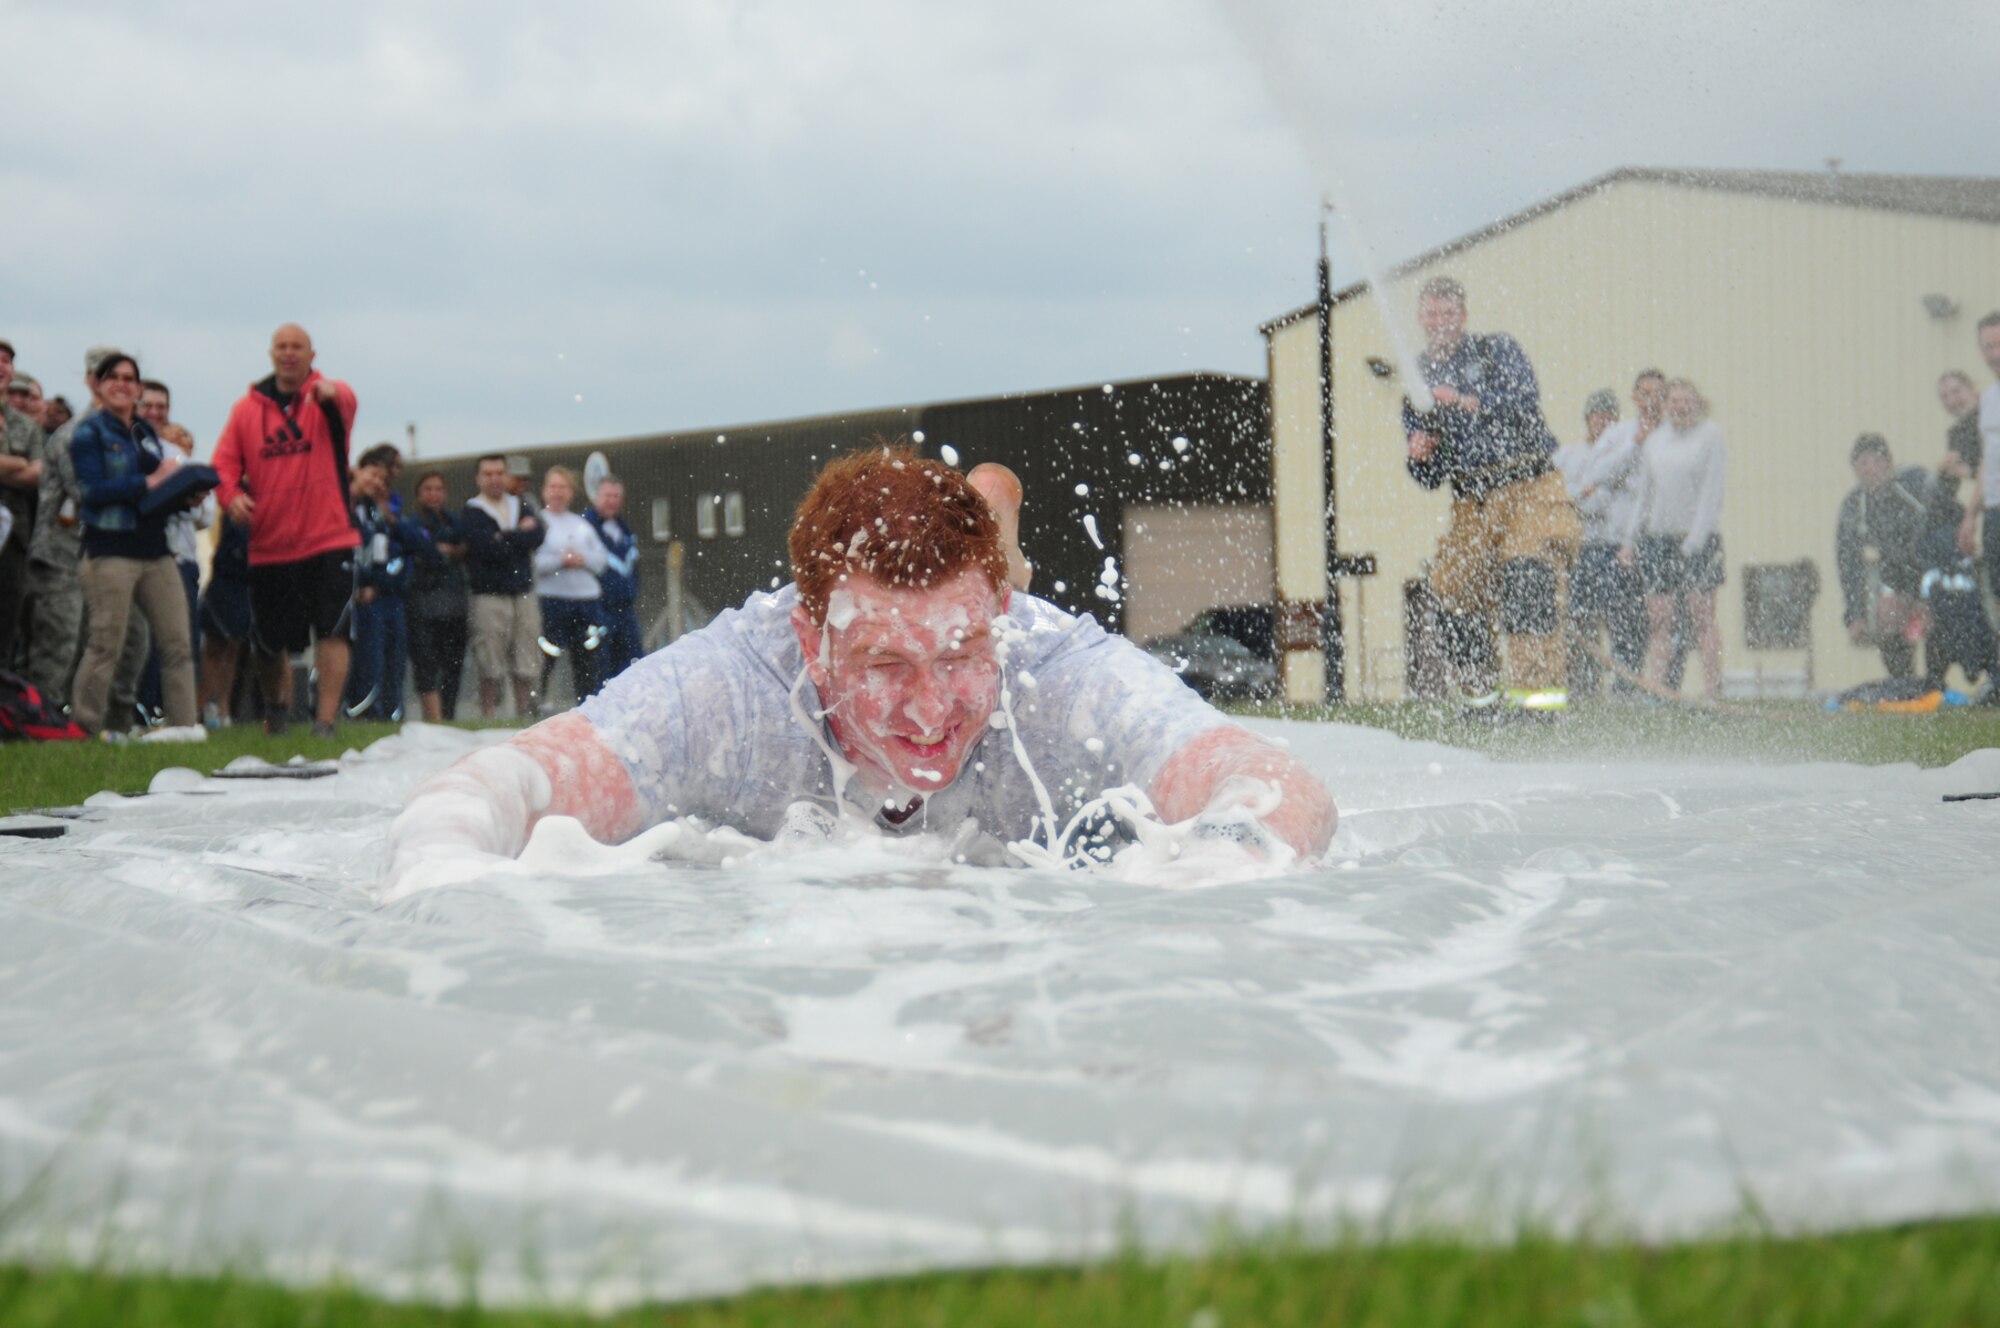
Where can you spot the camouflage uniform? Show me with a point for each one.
(55, 588)
(21, 438)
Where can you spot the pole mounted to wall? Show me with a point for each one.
(1333, 637)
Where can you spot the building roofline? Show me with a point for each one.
(756, 427)
(1958, 197)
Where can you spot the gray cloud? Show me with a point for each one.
(712, 212)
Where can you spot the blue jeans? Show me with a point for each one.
(567, 624)
(623, 642)
(381, 648)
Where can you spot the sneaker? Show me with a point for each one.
(1538, 700)
(322, 730)
(169, 733)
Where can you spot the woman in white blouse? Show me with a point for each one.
(566, 568)
(1672, 533)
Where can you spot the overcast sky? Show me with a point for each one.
(516, 224)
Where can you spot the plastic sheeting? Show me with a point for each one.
(1651, 997)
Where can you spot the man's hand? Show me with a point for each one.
(325, 390)
(169, 463)
(1423, 445)
(1968, 533)
(365, 595)
(240, 508)
(1453, 399)
(571, 558)
(1953, 467)
(1222, 773)
(1627, 555)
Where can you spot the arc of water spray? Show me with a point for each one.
(1278, 56)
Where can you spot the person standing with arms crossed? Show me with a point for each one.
(286, 443)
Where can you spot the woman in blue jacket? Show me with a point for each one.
(118, 461)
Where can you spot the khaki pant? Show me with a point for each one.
(1531, 519)
(111, 586)
(504, 629)
(55, 638)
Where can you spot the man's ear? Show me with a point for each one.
(811, 636)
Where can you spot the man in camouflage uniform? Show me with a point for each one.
(21, 444)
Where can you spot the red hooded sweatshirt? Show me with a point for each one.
(293, 462)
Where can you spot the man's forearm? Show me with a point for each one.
(486, 805)
(1194, 776)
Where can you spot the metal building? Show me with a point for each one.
(1808, 307)
(1147, 501)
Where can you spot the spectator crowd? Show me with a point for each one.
(1562, 564)
(1917, 554)
(323, 594)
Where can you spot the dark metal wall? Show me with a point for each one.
(1055, 441)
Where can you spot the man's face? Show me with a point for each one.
(431, 493)
(291, 355)
(1956, 395)
(1873, 471)
(1989, 346)
(1443, 321)
(6, 367)
(27, 400)
(492, 480)
(1649, 397)
(610, 500)
(909, 677)
(153, 404)
(1595, 423)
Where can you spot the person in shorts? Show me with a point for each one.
(1672, 533)
(502, 533)
(286, 443)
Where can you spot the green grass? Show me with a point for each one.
(1762, 731)
(1943, 1274)
(61, 774)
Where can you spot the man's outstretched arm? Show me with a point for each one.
(1213, 773)
(484, 807)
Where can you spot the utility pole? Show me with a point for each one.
(1333, 640)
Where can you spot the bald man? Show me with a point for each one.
(282, 459)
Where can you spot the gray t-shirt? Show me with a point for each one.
(722, 725)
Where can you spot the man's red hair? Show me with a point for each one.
(889, 513)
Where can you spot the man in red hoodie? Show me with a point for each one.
(282, 459)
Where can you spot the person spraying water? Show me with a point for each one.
(871, 689)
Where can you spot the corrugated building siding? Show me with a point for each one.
(1802, 323)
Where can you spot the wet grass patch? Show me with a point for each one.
(1767, 732)
(1944, 1273)
(62, 774)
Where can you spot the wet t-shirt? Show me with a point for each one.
(710, 726)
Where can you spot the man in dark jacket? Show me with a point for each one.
(619, 581)
(501, 535)
(1514, 534)
(1876, 548)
